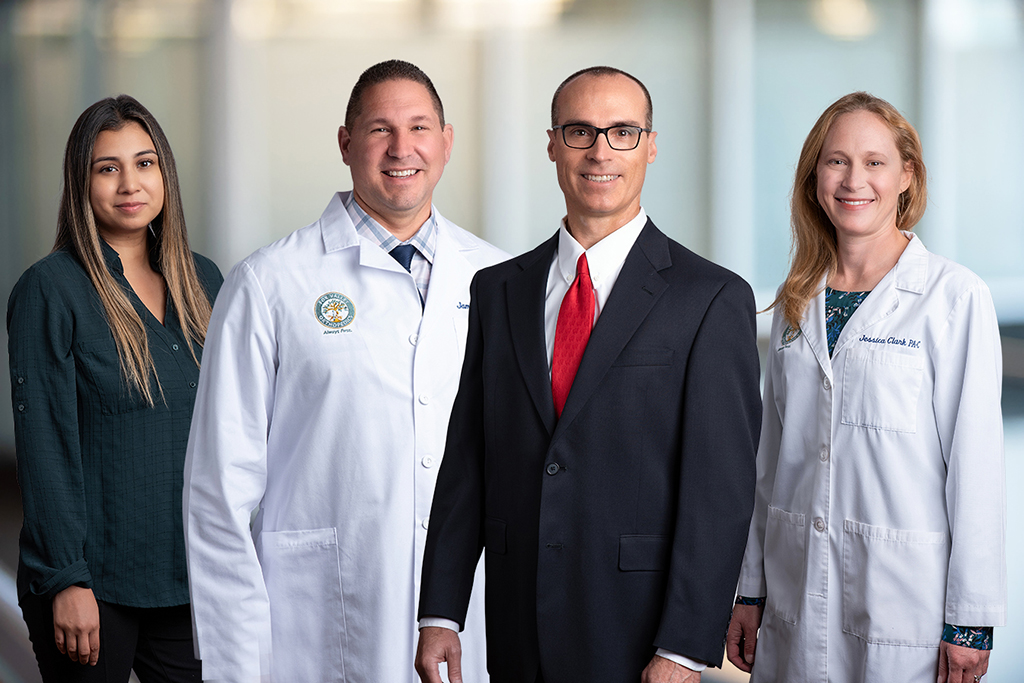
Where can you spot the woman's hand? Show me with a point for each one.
(741, 639)
(959, 664)
(76, 624)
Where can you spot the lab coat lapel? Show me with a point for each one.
(909, 274)
(447, 276)
(637, 289)
(813, 331)
(526, 319)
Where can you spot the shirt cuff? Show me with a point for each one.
(673, 657)
(975, 637)
(439, 622)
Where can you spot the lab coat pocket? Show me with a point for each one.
(880, 389)
(894, 584)
(307, 612)
(785, 542)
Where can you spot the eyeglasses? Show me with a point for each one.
(582, 136)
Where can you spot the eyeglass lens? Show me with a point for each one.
(581, 136)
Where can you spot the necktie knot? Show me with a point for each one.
(403, 253)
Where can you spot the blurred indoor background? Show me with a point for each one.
(251, 93)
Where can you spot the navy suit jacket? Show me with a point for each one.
(619, 527)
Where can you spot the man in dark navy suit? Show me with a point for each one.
(601, 448)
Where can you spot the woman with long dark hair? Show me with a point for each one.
(105, 340)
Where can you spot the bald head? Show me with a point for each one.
(597, 71)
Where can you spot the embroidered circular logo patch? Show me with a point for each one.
(790, 335)
(334, 310)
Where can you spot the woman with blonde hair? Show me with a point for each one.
(105, 340)
(876, 550)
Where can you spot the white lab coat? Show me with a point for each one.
(336, 434)
(881, 498)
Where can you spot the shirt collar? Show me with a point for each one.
(425, 238)
(604, 258)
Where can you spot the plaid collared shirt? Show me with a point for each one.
(425, 241)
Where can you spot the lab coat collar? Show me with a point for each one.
(339, 232)
(336, 226)
(908, 275)
(911, 271)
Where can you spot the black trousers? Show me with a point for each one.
(155, 642)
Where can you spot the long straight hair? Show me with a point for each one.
(168, 242)
(815, 246)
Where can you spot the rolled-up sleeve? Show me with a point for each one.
(40, 333)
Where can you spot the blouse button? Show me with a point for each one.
(174, 346)
(192, 384)
(21, 407)
(21, 380)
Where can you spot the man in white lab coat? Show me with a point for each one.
(329, 371)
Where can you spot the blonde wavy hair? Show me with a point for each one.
(814, 237)
(168, 243)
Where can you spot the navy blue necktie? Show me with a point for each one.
(403, 254)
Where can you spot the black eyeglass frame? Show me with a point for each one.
(599, 131)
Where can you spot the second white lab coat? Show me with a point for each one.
(335, 431)
(880, 508)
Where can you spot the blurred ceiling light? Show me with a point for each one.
(47, 18)
(254, 19)
(475, 14)
(844, 19)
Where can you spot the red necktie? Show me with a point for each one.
(575, 318)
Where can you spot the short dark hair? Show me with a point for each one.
(602, 71)
(390, 70)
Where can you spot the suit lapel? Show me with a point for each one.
(637, 289)
(526, 320)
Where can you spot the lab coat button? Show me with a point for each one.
(427, 461)
(424, 399)
(425, 523)
(823, 456)
(827, 384)
(413, 338)
(552, 469)
(819, 524)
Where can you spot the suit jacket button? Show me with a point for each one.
(552, 468)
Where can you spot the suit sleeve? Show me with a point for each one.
(968, 376)
(455, 539)
(45, 399)
(225, 478)
(720, 427)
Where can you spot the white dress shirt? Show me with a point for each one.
(605, 260)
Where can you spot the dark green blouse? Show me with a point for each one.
(100, 471)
